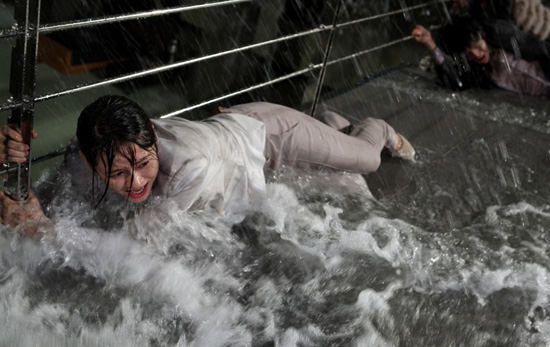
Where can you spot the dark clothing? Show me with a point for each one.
(456, 73)
(519, 62)
(504, 70)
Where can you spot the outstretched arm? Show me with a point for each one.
(452, 73)
(423, 36)
(22, 216)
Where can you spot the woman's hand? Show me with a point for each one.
(23, 216)
(423, 36)
(12, 148)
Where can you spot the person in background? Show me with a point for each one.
(484, 66)
(217, 164)
(521, 27)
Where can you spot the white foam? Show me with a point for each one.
(190, 277)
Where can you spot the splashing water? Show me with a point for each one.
(318, 263)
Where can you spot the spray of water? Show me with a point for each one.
(319, 262)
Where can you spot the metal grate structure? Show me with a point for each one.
(28, 29)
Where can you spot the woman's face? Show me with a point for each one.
(145, 172)
(478, 52)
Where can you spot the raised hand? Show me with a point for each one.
(423, 36)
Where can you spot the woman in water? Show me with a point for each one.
(216, 164)
(487, 66)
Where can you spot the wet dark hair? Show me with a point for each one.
(460, 33)
(109, 126)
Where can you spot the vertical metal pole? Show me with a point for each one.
(325, 59)
(445, 10)
(22, 89)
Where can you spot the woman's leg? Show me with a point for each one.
(298, 140)
(398, 146)
(334, 120)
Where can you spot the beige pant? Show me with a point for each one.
(298, 140)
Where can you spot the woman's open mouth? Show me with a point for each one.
(483, 59)
(138, 193)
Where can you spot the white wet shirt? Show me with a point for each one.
(212, 164)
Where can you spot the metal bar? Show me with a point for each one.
(10, 106)
(211, 56)
(174, 66)
(245, 90)
(62, 151)
(50, 155)
(282, 78)
(406, 13)
(39, 159)
(325, 59)
(406, 38)
(125, 17)
(446, 12)
(11, 32)
(387, 14)
(22, 88)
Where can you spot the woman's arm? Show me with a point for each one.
(453, 72)
(23, 216)
(424, 37)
